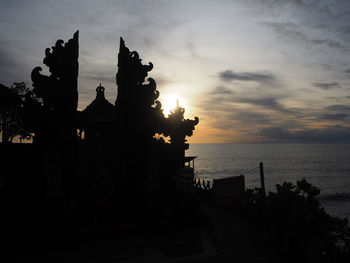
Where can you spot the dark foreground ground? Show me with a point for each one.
(196, 233)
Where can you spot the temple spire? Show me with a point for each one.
(100, 92)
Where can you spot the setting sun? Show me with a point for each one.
(169, 103)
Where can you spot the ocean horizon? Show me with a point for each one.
(327, 166)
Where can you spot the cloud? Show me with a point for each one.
(327, 85)
(229, 75)
(339, 107)
(192, 49)
(336, 116)
(6, 59)
(217, 105)
(100, 76)
(249, 117)
(266, 102)
(8, 66)
(336, 112)
(232, 102)
(329, 42)
(293, 31)
(331, 134)
(252, 115)
(219, 90)
(339, 99)
(238, 119)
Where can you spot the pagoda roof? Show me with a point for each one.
(100, 109)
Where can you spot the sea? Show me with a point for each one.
(326, 166)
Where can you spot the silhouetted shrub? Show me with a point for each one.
(296, 221)
(12, 100)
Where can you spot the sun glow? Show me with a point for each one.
(169, 103)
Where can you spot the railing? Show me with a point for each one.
(203, 184)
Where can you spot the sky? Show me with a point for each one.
(251, 70)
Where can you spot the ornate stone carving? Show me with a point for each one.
(139, 113)
(137, 101)
(177, 127)
(59, 90)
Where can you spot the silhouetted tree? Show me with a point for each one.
(11, 111)
(298, 222)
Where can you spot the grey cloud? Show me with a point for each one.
(11, 68)
(331, 134)
(6, 59)
(225, 112)
(292, 124)
(192, 49)
(293, 31)
(237, 119)
(288, 28)
(224, 124)
(217, 104)
(274, 133)
(316, 13)
(339, 99)
(336, 112)
(221, 90)
(295, 2)
(338, 107)
(229, 75)
(336, 116)
(103, 76)
(329, 42)
(229, 103)
(327, 85)
(267, 102)
(249, 117)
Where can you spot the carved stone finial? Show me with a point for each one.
(178, 127)
(130, 78)
(100, 92)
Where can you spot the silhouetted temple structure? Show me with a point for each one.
(98, 118)
(105, 149)
(101, 163)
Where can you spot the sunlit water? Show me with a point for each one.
(327, 166)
